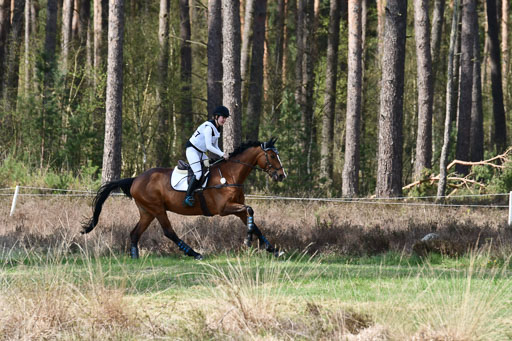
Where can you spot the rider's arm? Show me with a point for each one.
(209, 144)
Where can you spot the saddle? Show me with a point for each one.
(183, 171)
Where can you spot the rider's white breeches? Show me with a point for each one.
(194, 158)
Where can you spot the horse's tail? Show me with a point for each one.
(102, 195)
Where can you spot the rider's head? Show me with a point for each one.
(220, 115)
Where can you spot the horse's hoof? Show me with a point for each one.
(247, 242)
(198, 257)
(278, 253)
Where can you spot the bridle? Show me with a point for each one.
(268, 167)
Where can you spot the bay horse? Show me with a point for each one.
(223, 195)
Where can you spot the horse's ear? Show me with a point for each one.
(271, 142)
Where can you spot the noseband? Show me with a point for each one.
(268, 166)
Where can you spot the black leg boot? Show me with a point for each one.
(189, 198)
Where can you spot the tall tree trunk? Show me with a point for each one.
(277, 74)
(5, 28)
(500, 129)
(28, 49)
(114, 101)
(450, 98)
(231, 81)
(477, 129)
(67, 16)
(504, 49)
(13, 56)
(299, 34)
(82, 30)
(75, 20)
(214, 51)
(49, 63)
(254, 104)
(425, 87)
(381, 6)
(350, 185)
(308, 82)
(289, 18)
(389, 178)
(186, 71)
(437, 30)
(98, 40)
(246, 40)
(164, 112)
(437, 62)
(466, 85)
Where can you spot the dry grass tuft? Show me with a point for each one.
(53, 307)
(349, 229)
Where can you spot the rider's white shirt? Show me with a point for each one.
(206, 137)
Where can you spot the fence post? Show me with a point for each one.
(510, 209)
(14, 199)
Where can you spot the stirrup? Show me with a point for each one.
(189, 201)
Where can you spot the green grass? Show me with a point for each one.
(297, 296)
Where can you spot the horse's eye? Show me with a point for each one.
(273, 156)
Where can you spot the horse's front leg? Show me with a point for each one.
(246, 214)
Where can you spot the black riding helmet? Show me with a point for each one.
(221, 111)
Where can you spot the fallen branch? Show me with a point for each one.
(433, 179)
(502, 158)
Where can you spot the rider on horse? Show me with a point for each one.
(204, 139)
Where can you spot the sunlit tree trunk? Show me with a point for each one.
(389, 173)
(231, 81)
(164, 112)
(381, 6)
(350, 185)
(254, 103)
(450, 98)
(214, 51)
(425, 87)
(67, 16)
(98, 40)
(114, 100)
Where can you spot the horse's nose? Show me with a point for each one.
(281, 177)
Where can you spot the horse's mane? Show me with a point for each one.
(244, 146)
(249, 144)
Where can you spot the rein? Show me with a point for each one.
(267, 170)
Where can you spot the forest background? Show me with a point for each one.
(357, 91)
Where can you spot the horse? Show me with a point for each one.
(223, 195)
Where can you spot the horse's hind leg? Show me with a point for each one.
(145, 219)
(169, 233)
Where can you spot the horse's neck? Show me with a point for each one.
(242, 170)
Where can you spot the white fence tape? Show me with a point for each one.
(404, 201)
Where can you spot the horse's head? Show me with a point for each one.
(269, 160)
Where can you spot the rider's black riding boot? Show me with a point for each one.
(189, 198)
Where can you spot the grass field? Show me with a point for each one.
(349, 274)
(250, 295)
